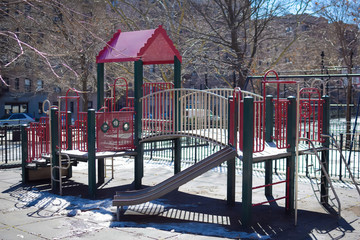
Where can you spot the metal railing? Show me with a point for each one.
(10, 144)
(185, 112)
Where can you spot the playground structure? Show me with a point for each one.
(251, 127)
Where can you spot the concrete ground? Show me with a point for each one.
(198, 210)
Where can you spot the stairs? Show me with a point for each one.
(321, 182)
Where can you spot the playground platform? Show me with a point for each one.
(197, 210)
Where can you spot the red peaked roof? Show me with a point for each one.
(151, 46)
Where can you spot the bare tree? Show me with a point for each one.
(60, 39)
(343, 15)
(234, 29)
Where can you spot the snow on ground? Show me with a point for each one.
(102, 213)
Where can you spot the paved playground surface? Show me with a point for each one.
(197, 210)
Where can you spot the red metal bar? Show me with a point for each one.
(272, 200)
(271, 184)
(287, 181)
(311, 118)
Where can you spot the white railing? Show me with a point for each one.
(185, 112)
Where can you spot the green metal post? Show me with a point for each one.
(69, 132)
(290, 161)
(177, 141)
(55, 185)
(248, 146)
(24, 154)
(269, 126)
(231, 176)
(91, 153)
(100, 103)
(100, 84)
(69, 139)
(139, 158)
(269, 118)
(324, 190)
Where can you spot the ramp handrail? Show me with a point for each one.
(323, 170)
(186, 112)
(334, 143)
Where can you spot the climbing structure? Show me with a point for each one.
(251, 127)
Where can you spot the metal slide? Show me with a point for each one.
(172, 183)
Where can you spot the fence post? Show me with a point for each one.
(6, 143)
(325, 154)
(139, 147)
(341, 148)
(232, 140)
(69, 139)
(24, 153)
(269, 126)
(91, 153)
(55, 185)
(290, 161)
(177, 141)
(248, 146)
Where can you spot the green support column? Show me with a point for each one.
(269, 126)
(177, 141)
(91, 153)
(24, 154)
(139, 158)
(290, 161)
(100, 84)
(231, 176)
(69, 139)
(248, 146)
(324, 190)
(55, 185)
(100, 103)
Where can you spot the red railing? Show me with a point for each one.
(259, 121)
(311, 114)
(281, 114)
(259, 126)
(281, 110)
(38, 139)
(154, 87)
(79, 133)
(158, 109)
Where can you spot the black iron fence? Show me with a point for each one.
(10, 145)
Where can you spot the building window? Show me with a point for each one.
(6, 87)
(27, 85)
(305, 27)
(17, 84)
(40, 108)
(72, 107)
(39, 85)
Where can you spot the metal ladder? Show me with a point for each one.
(60, 168)
(109, 167)
(330, 203)
(334, 143)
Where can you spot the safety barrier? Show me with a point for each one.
(38, 139)
(311, 117)
(281, 114)
(259, 119)
(186, 112)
